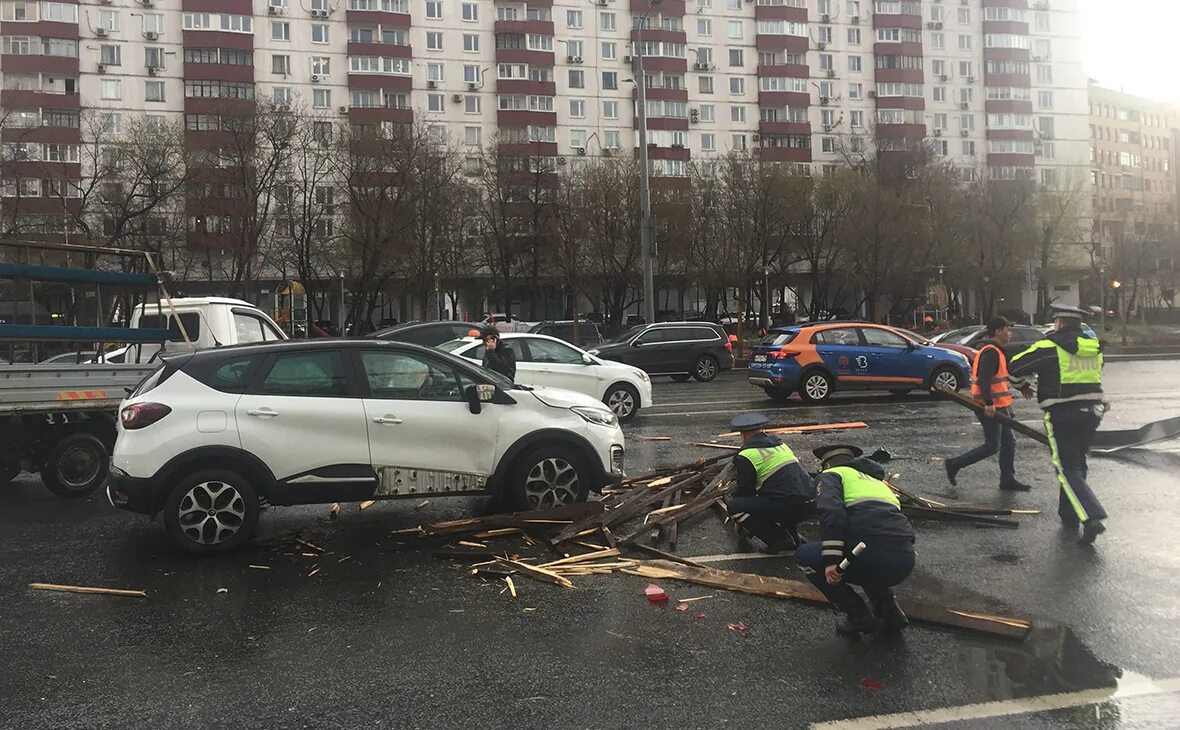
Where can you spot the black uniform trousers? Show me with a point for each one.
(1070, 429)
(770, 518)
(877, 570)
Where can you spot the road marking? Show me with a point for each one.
(1134, 685)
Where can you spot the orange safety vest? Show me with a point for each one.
(1001, 394)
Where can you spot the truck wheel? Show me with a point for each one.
(623, 400)
(76, 465)
(211, 511)
(548, 476)
(705, 368)
(8, 471)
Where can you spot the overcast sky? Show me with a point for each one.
(1133, 45)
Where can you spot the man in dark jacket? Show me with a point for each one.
(1068, 365)
(773, 492)
(990, 387)
(497, 355)
(855, 505)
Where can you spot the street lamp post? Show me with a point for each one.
(645, 239)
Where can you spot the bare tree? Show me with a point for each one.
(1059, 226)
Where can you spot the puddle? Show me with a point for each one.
(1051, 660)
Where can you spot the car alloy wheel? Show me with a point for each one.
(211, 513)
(946, 379)
(551, 482)
(816, 386)
(622, 401)
(706, 369)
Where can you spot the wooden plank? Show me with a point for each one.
(950, 516)
(538, 518)
(87, 589)
(1010, 627)
(696, 505)
(970, 404)
(511, 585)
(667, 555)
(608, 553)
(805, 429)
(715, 446)
(673, 532)
(533, 571)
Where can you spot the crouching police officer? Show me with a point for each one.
(855, 506)
(773, 492)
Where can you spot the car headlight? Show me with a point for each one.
(643, 376)
(597, 416)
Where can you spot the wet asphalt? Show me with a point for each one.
(383, 634)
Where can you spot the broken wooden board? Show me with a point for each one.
(532, 571)
(87, 589)
(969, 403)
(537, 519)
(1006, 626)
(805, 429)
(948, 515)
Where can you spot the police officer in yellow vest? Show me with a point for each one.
(773, 492)
(1068, 366)
(854, 506)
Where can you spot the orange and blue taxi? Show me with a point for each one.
(819, 358)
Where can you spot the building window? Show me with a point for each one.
(704, 27)
(319, 33)
(708, 142)
(282, 96)
(280, 64)
(708, 113)
(573, 18)
(968, 148)
(471, 104)
(855, 91)
(577, 79)
(609, 51)
(939, 93)
(153, 57)
(280, 30)
(110, 55)
(321, 98)
(472, 136)
(937, 41)
(434, 41)
(1044, 74)
(610, 80)
(854, 36)
(321, 65)
(434, 10)
(611, 140)
(856, 118)
(735, 29)
(964, 43)
(470, 74)
(112, 89)
(606, 21)
(737, 85)
(435, 102)
(153, 91)
(854, 64)
(737, 114)
(470, 13)
(736, 57)
(108, 20)
(610, 109)
(706, 84)
(153, 23)
(1045, 99)
(470, 43)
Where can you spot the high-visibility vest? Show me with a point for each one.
(1001, 393)
(860, 487)
(768, 461)
(1083, 367)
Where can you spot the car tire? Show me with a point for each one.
(548, 476)
(211, 511)
(682, 378)
(777, 394)
(76, 465)
(9, 470)
(623, 400)
(816, 386)
(948, 376)
(705, 368)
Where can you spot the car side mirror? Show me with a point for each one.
(587, 359)
(477, 395)
(637, 343)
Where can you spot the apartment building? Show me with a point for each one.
(996, 85)
(1133, 178)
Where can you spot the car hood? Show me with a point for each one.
(561, 398)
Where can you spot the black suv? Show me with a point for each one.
(588, 332)
(427, 334)
(1023, 336)
(681, 349)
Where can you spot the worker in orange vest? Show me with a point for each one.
(991, 388)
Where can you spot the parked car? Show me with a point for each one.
(1086, 329)
(681, 349)
(544, 360)
(427, 334)
(506, 323)
(1023, 335)
(967, 352)
(588, 332)
(817, 359)
(209, 435)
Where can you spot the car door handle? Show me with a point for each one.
(387, 419)
(262, 412)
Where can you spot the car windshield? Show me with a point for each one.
(626, 336)
(913, 336)
(778, 339)
(957, 337)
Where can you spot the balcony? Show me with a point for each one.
(386, 50)
(785, 154)
(37, 99)
(378, 114)
(48, 65)
(783, 127)
(526, 86)
(218, 72)
(524, 27)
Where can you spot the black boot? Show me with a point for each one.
(892, 618)
(858, 622)
(786, 543)
(1013, 485)
(1091, 529)
(952, 471)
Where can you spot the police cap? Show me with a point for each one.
(749, 422)
(1066, 311)
(825, 453)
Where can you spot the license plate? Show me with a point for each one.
(760, 358)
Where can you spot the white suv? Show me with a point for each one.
(210, 434)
